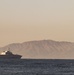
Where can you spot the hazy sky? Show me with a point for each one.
(26, 20)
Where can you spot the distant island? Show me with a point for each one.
(42, 49)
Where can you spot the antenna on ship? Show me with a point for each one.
(8, 49)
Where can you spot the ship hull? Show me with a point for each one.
(10, 56)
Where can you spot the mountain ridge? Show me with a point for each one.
(42, 49)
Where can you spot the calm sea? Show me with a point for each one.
(37, 67)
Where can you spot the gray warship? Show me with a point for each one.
(9, 55)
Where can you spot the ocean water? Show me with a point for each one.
(37, 67)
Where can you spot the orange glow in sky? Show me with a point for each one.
(26, 20)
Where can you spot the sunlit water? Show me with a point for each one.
(36, 67)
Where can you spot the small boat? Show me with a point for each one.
(9, 55)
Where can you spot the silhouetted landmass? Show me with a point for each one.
(43, 49)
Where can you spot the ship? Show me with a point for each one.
(9, 55)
